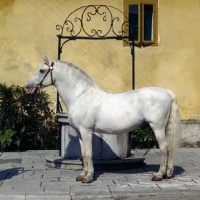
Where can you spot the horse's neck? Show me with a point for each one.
(71, 86)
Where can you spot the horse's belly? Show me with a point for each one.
(117, 127)
(115, 121)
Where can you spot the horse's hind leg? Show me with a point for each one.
(170, 164)
(160, 136)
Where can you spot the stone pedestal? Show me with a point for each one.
(105, 146)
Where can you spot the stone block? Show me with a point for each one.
(56, 187)
(49, 197)
(90, 192)
(12, 197)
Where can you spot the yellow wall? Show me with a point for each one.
(174, 64)
(28, 32)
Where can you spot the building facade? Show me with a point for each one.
(28, 32)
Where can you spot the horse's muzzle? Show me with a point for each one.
(31, 90)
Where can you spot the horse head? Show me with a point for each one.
(42, 78)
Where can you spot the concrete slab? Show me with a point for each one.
(12, 197)
(90, 192)
(49, 197)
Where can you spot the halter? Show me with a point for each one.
(49, 70)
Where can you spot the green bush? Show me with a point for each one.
(22, 118)
(141, 135)
(143, 138)
(49, 135)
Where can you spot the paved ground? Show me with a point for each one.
(24, 176)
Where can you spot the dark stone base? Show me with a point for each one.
(70, 164)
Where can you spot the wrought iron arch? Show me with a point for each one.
(75, 28)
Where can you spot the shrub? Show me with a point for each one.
(22, 118)
(144, 137)
(143, 134)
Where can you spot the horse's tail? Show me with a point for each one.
(173, 128)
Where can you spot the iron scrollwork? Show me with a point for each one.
(85, 23)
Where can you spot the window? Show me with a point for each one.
(143, 20)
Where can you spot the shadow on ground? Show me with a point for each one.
(150, 169)
(11, 172)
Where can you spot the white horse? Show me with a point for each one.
(91, 109)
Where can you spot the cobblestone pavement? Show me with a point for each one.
(25, 176)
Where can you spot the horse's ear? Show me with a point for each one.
(46, 60)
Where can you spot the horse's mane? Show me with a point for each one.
(79, 75)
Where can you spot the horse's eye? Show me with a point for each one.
(42, 70)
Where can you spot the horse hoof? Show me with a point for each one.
(156, 178)
(79, 178)
(87, 179)
(167, 177)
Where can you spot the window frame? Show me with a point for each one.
(141, 4)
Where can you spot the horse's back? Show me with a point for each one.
(148, 103)
(153, 93)
(149, 96)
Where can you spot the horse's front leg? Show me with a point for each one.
(81, 176)
(86, 176)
